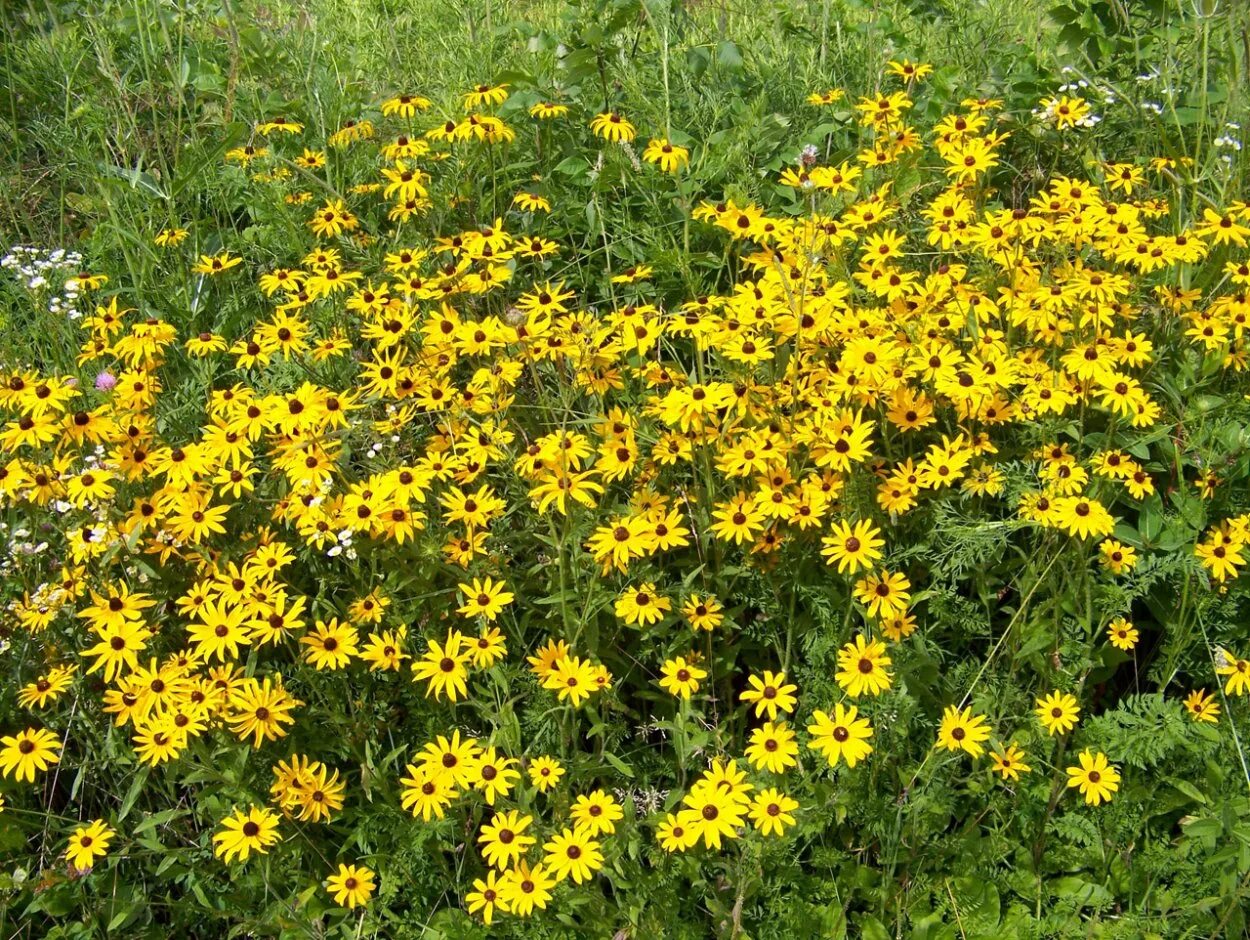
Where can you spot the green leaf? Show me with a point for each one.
(1188, 789)
(728, 55)
(132, 794)
(138, 179)
(619, 764)
(1150, 520)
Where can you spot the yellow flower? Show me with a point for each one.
(1237, 670)
(962, 731)
(545, 773)
(642, 606)
(772, 748)
(351, 885)
(1096, 778)
(769, 693)
(771, 811)
(1058, 712)
(1122, 633)
(484, 598)
(862, 667)
(681, 678)
(443, 667)
(170, 237)
(486, 897)
(670, 157)
(1009, 762)
(34, 749)
(852, 546)
(572, 853)
(612, 127)
(1202, 706)
(244, 833)
(842, 736)
(216, 264)
(89, 843)
(546, 110)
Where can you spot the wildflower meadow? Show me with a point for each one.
(624, 469)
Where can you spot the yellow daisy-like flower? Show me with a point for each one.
(26, 752)
(680, 677)
(1122, 634)
(770, 693)
(244, 833)
(351, 885)
(89, 843)
(962, 731)
(613, 128)
(546, 110)
(1009, 762)
(1202, 706)
(862, 667)
(668, 156)
(1095, 777)
(484, 598)
(1058, 712)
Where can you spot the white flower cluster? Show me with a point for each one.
(1151, 77)
(343, 546)
(17, 543)
(1228, 141)
(49, 273)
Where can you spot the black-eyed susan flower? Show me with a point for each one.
(1008, 762)
(504, 840)
(426, 792)
(772, 811)
(216, 264)
(572, 853)
(1117, 557)
(47, 688)
(525, 888)
(26, 752)
(668, 156)
(713, 814)
(444, 667)
(597, 812)
(770, 693)
(843, 735)
(852, 545)
(546, 110)
(1122, 634)
(170, 237)
(1096, 779)
(961, 730)
(531, 202)
(863, 667)
(613, 127)
(642, 605)
(773, 748)
(680, 677)
(1236, 669)
(1058, 712)
(244, 833)
(573, 679)
(405, 105)
(1202, 706)
(484, 598)
(351, 886)
(89, 843)
(703, 612)
(486, 898)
